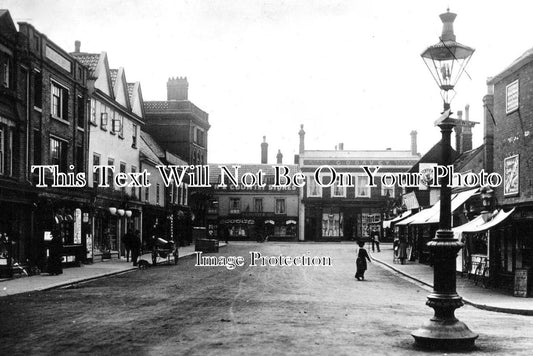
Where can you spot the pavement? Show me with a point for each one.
(76, 275)
(477, 296)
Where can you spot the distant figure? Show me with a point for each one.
(135, 245)
(402, 254)
(55, 256)
(360, 262)
(127, 241)
(375, 240)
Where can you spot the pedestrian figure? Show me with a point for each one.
(55, 255)
(375, 240)
(135, 245)
(402, 254)
(360, 262)
(127, 241)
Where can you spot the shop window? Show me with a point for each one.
(258, 205)
(58, 153)
(280, 206)
(234, 205)
(332, 224)
(313, 189)
(59, 102)
(362, 189)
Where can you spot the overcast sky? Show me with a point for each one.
(350, 71)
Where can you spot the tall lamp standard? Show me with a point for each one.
(446, 61)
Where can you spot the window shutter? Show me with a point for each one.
(64, 104)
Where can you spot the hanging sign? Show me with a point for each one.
(77, 226)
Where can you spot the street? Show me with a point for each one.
(183, 309)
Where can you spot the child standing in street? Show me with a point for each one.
(362, 256)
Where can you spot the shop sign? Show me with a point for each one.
(511, 176)
(47, 236)
(85, 217)
(77, 226)
(521, 282)
(511, 97)
(89, 244)
(238, 221)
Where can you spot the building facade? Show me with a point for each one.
(352, 212)
(114, 125)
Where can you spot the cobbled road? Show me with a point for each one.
(191, 310)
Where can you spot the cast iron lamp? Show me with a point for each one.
(446, 61)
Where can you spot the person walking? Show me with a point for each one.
(402, 254)
(375, 240)
(127, 241)
(135, 245)
(360, 262)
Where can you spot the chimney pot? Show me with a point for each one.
(264, 151)
(77, 46)
(279, 157)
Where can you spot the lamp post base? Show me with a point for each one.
(444, 331)
(444, 334)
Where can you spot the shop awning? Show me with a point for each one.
(478, 225)
(458, 199)
(432, 215)
(387, 223)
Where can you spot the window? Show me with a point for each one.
(123, 170)
(157, 193)
(280, 206)
(5, 73)
(185, 194)
(133, 189)
(81, 112)
(38, 90)
(147, 194)
(313, 189)
(337, 191)
(332, 224)
(59, 102)
(258, 205)
(134, 137)
(387, 190)
(362, 189)
(80, 162)
(96, 162)
(110, 162)
(6, 146)
(103, 120)
(234, 205)
(58, 153)
(93, 112)
(37, 158)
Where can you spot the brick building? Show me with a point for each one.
(508, 150)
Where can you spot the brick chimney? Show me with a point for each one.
(302, 136)
(264, 151)
(77, 46)
(459, 132)
(488, 130)
(414, 149)
(341, 146)
(177, 88)
(279, 157)
(466, 139)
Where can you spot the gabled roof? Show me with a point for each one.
(524, 59)
(130, 90)
(7, 25)
(434, 155)
(154, 146)
(113, 74)
(469, 157)
(120, 87)
(90, 60)
(147, 153)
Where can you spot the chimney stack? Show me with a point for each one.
(341, 146)
(177, 88)
(488, 131)
(264, 151)
(302, 135)
(459, 132)
(414, 149)
(466, 139)
(279, 157)
(77, 46)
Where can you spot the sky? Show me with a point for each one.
(349, 71)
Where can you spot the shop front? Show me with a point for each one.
(254, 228)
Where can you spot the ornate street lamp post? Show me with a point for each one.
(446, 61)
